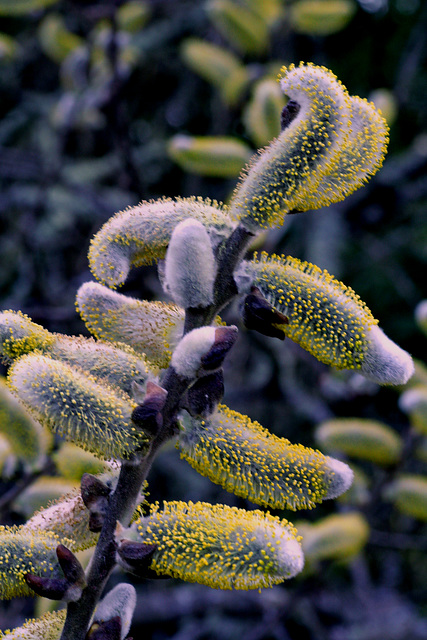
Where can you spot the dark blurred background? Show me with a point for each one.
(92, 97)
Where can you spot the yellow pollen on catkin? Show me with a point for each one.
(77, 406)
(220, 546)
(66, 517)
(116, 364)
(24, 552)
(249, 461)
(46, 627)
(140, 235)
(325, 317)
(20, 335)
(330, 147)
(151, 328)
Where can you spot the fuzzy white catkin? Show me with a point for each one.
(190, 266)
(186, 359)
(384, 361)
(121, 602)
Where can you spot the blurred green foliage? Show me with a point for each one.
(93, 98)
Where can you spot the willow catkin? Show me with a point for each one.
(247, 460)
(47, 627)
(116, 364)
(329, 145)
(151, 328)
(219, 546)
(190, 266)
(23, 552)
(326, 318)
(140, 235)
(77, 406)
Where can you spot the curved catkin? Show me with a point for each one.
(116, 364)
(139, 235)
(298, 158)
(76, 406)
(361, 155)
(330, 144)
(151, 328)
(247, 460)
(47, 627)
(28, 440)
(24, 552)
(327, 318)
(219, 546)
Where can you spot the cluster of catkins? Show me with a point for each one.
(112, 394)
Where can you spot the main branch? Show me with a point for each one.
(132, 476)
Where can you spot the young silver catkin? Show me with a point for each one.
(190, 266)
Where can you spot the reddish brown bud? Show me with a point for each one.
(92, 489)
(258, 314)
(69, 588)
(73, 570)
(156, 394)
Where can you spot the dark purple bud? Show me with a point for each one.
(148, 415)
(203, 397)
(136, 557)
(289, 113)
(106, 630)
(73, 570)
(51, 588)
(69, 588)
(258, 314)
(92, 489)
(95, 496)
(225, 337)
